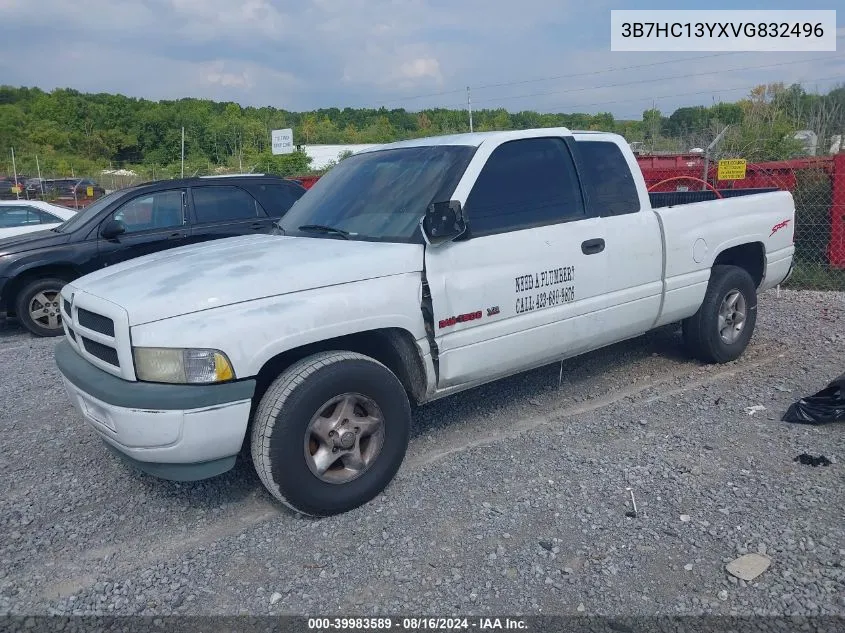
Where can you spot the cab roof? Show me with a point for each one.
(472, 139)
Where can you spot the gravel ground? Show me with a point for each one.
(512, 499)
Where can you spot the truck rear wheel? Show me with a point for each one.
(331, 432)
(721, 329)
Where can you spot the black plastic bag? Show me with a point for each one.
(828, 405)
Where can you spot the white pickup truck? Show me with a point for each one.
(409, 272)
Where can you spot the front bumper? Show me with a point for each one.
(178, 432)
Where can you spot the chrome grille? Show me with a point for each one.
(95, 322)
(67, 306)
(103, 352)
(71, 334)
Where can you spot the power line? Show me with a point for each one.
(642, 81)
(686, 94)
(599, 72)
(678, 94)
(554, 77)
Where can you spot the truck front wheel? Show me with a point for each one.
(721, 329)
(331, 432)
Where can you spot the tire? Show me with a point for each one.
(28, 299)
(289, 442)
(703, 332)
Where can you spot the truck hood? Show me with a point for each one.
(232, 270)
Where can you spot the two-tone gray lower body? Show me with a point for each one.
(178, 432)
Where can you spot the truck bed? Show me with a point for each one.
(672, 198)
(695, 232)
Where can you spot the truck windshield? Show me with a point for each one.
(379, 195)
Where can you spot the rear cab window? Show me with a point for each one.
(607, 178)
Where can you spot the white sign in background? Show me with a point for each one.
(723, 30)
(282, 141)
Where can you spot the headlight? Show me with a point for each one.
(181, 366)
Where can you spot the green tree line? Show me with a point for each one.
(81, 133)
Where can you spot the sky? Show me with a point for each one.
(545, 55)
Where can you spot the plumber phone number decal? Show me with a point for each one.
(545, 289)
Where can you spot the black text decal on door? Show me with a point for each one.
(544, 289)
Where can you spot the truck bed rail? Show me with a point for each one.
(671, 198)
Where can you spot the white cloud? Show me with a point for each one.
(421, 67)
(222, 19)
(214, 74)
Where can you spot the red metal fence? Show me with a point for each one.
(305, 181)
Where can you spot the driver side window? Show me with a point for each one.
(155, 211)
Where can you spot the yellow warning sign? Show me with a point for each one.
(90, 191)
(731, 169)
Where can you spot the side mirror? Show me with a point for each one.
(443, 222)
(112, 229)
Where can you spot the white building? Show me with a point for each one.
(322, 155)
(809, 140)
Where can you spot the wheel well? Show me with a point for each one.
(10, 292)
(750, 257)
(393, 347)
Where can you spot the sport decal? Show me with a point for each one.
(777, 227)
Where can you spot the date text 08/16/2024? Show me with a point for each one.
(416, 624)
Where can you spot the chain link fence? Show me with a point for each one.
(68, 184)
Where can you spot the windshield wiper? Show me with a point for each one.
(322, 228)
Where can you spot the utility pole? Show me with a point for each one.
(183, 151)
(40, 179)
(709, 149)
(15, 170)
(655, 125)
(469, 107)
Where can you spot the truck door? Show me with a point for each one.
(633, 240)
(513, 292)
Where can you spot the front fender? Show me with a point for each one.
(253, 332)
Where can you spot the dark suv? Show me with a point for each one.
(129, 223)
(75, 193)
